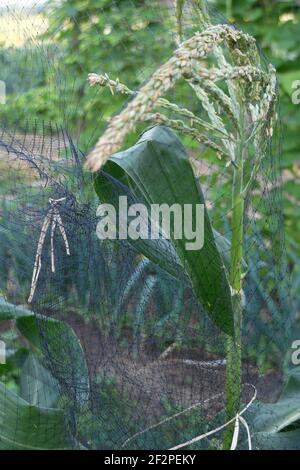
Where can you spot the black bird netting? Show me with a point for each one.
(109, 343)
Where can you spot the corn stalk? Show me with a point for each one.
(238, 127)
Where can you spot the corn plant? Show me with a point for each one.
(37, 403)
(237, 92)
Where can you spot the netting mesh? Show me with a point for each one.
(120, 344)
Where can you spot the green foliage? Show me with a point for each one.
(154, 166)
(104, 36)
(276, 24)
(99, 428)
(37, 385)
(63, 348)
(83, 36)
(41, 373)
(28, 427)
(125, 30)
(30, 420)
(39, 103)
(286, 411)
(14, 65)
(63, 351)
(276, 426)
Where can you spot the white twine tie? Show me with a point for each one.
(236, 419)
(53, 217)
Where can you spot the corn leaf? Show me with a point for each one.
(158, 168)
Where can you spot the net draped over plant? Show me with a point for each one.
(128, 343)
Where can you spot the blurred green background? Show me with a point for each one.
(46, 52)
(130, 42)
